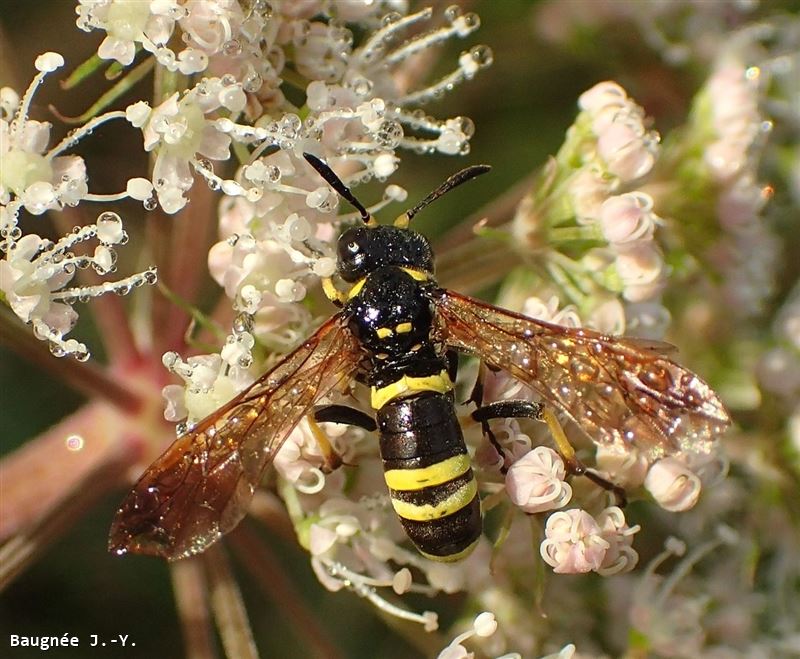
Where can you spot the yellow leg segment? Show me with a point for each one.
(559, 437)
(332, 459)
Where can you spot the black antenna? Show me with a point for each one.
(336, 183)
(454, 181)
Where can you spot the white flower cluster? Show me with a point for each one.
(352, 545)
(277, 222)
(624, 151)
(210, 380)
(591, 196)
(356, 112)
(35, 272)
(484, 626)
(575, 541)
(747, 252)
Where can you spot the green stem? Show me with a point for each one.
(559, 267)
(572, 234)
(294, 79)
(83, 71)
(118, 90)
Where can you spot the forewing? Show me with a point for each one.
(201, 486)
(622, 392)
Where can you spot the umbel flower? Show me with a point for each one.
(621, 231)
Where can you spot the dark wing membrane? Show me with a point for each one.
(619, 391)
(201, 486)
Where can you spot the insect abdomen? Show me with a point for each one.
(428, 472)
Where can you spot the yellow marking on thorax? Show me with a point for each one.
(403, 328)
(383, 332)
(331, 292)
(408, 480)
(419, 275)
(402, 221)
(355, 289)
(426, 512)
(407, 384)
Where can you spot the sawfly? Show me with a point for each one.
(399, 333)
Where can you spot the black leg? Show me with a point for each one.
(344, 414)
(452, 364)
(509, 409)
(522, 409)
(336, 414)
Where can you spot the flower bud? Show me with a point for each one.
(535, 482)
(673, 485)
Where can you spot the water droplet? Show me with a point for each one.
(243, 323)
(232, 48)
(482, 55)
(472, 21)
(361, 86)
(262, 8)
(466, 126)
(452, 13)
(273, 173)
(389, 134)
(391, 18)
(252, 83)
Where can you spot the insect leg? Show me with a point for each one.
(517, 409)
(509, 409)
(344, 414)
(336, 414)
(574, 465)
(452, 364)
(498, 410)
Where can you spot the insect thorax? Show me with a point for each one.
(392, 317)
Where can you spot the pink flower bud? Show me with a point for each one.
(621, 556)
(601, 96)
(673, 485)
(628, 217)
(573, 542)
(639, 266)
(625, 147)
(535, 482)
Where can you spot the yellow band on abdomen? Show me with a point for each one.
(408, 480)
(424, 512)
(440, 383)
